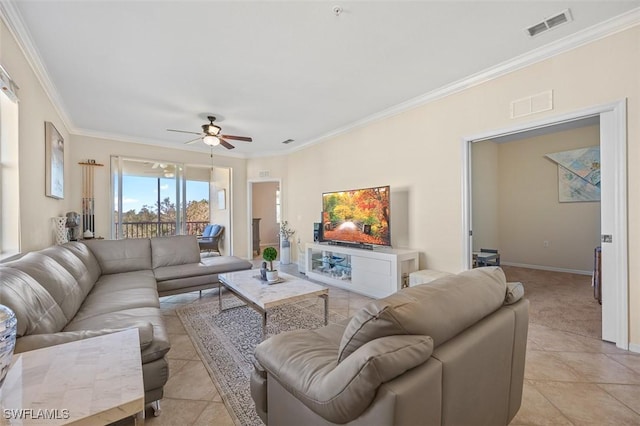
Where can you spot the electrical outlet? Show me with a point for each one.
(545, 243)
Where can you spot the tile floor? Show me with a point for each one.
(569, 379)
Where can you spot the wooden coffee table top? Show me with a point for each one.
(266, 295)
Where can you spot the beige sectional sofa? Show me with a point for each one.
(81, 290)
(451, 352)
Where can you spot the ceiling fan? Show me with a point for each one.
(211, 135)
(162, 170)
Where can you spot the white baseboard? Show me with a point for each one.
(634, 347)
(548, 268)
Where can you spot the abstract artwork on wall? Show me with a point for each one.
(578, 174)
(54, 162)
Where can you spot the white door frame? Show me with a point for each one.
(250, 183)
(613, 133)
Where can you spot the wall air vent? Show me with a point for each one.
(288, 141)
(551, 22)
(532, 104)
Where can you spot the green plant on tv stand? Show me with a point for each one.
(269, 254)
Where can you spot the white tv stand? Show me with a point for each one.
(375, 273)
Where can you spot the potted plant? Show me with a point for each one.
(285, 244)
(269, 254)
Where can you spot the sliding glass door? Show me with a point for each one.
(153, 198)
(197, 194)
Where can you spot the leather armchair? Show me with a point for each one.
(449, 352)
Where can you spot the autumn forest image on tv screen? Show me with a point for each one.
(358, 216)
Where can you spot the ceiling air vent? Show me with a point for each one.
(288, 141)
(551, 22)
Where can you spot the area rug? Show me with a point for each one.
(226, 341)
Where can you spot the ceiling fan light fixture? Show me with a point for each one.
(211, 140)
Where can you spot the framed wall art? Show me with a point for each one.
(222, 199)
(54, 162)
(578, 174)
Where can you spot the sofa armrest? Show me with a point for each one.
(38, 341)
(339, 392)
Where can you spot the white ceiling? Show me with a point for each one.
(128, 70)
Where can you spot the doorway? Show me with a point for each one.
(613, 208)
(264, 201)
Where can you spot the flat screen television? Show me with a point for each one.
(359, 216)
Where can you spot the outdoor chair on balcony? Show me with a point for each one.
(210, 239)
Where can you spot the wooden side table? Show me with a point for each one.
(86, 382)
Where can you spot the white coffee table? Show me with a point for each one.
(86, 382)
(262, 296)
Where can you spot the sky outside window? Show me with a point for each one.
(138, 191)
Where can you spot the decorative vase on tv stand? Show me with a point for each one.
(285, 243)
(285, 251)
(8, 324)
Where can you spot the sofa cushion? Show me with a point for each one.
(82, 252)
(125, 318)
(303, 363)
(55, 279)
(208, 266)
(176, 250)
(69, 260)
(116, 292)
(39, 341)
(36, 310)
(115, 256)
(440, 309)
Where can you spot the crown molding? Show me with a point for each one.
(153, 142)
(10, 14)
(599, 31)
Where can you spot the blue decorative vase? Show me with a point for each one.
(8, 324)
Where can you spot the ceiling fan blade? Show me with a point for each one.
(193, 141)
(183, 131)
(225, 144)
(237, 138)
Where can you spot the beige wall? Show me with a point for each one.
(222, 181)
(36, 210)
(521, 211)
(485, 193)
(419, 151)
(101, 150)
(264, 206)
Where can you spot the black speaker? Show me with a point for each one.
(317, 232)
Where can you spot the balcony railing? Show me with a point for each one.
(157, 229)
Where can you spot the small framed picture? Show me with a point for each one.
(54, 162)
(222, 199)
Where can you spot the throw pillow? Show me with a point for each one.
(207, 231)
(214, 230)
